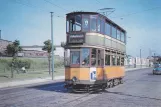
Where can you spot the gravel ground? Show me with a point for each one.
(140, 89)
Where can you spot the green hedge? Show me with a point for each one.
(30, 63)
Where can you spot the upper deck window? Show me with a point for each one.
(102, 26)
(107, 29)
(113, 32)
(93, 23)
(85, 23)
(98, 25)
(118, 35)
(122, 37)
(75, 23)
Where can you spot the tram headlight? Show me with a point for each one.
(74, 79)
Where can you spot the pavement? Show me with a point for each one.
(39, 80)
(140, 89)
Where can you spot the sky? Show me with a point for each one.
(29, 21)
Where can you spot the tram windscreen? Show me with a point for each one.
(75, 57)
(75, 23)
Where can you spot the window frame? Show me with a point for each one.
(123, 36)
(75, 50)
(112, 32)
(91, 58)
(106, 24)
(108, 54)
(88, 17)
(73, 25)
(94, 17)
(81, 57)
(119, 34)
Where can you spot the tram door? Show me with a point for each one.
(97, 64)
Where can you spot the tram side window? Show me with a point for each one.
(67, 26)
(99, 58)
(102, 26)
(118, 35)
(118, 60)
(98, 25)
(85, 56)
(85, 24)
(93, 57)
(107, 29)
(93, 21)
(107, 59)
(122, 61)
(113, 32)
(122, 37)
(75, 57)
(113, 60)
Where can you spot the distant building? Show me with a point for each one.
(29, 51)
(3, 46)
(32, 53)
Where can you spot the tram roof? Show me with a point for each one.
(96, 13)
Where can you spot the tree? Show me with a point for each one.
(13, 49)
(63, 45)
(48, 47)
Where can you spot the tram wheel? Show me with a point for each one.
(110, 84)
(121, 81)
(104, 86)
(115, 82)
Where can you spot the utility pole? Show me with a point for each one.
(140, 58)
(52, 50)
(154, 59)
(0, 35)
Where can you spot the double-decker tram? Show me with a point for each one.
(94, 51)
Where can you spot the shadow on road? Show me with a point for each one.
(56, 87)
(120, 93)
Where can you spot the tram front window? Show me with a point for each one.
(75, 57)
(75, 23)
(85, 56)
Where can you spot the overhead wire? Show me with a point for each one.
(33, 6)
(129, 14)
(56, 5)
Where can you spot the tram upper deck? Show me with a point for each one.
(95, 30)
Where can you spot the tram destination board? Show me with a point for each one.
(76, 38)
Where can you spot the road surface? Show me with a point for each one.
(140, 89)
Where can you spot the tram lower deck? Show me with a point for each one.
(105, 72)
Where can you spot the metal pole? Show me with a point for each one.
(140, 58)
(52, 50)
(0, 34)
(154, 59)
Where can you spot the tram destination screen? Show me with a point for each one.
(77, 38)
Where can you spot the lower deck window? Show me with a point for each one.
(118, 60)
(75, 57)
(107, 59)
(93, 57)
(122, 61)
(113, 60)
(85, 56)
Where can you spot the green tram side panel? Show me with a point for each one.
(102, 41)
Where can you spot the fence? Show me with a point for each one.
(133, 62)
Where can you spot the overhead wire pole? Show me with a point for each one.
(52, 49)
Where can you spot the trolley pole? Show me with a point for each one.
(52, 50)
(140, 58)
